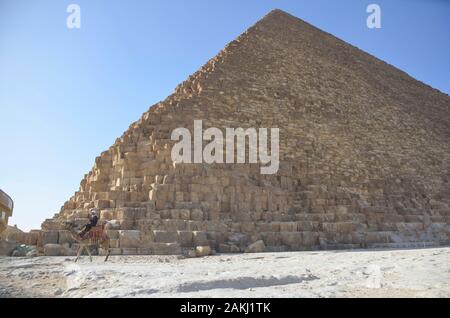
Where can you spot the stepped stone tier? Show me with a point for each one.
(364, 155)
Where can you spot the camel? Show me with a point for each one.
(95, 237)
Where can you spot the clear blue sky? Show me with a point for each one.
(66, 95)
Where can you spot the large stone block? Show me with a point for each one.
(345, 227)
(129, 214)
(257, 247)
(165, 237)
(144, 251)
(101, 204)
(130, 251)
(200, 238)
(271, 238)
(201, 251)
(129, 238)
(6, 247)
(108, 214)
(54, 250)
(310, 239)
(114, 243)
(113, 225)
(116, 251)
(113, 234)
(50, 237)
(51, 225)
(165, 249)
(288, 226)
(185, 214)
(292, 239)
(197, 215)
(186, 238)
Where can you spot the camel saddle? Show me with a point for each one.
(95, 233)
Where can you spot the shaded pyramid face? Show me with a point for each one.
(364, 154)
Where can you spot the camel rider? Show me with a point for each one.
(93, 219)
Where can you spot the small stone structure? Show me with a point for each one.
(6, 209)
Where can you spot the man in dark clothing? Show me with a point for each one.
(93, 219)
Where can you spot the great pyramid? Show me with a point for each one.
(364, 155)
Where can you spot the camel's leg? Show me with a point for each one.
(107, 255)
(80, 249)
(108, 250)
(89, 252)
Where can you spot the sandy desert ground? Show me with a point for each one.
(361, 273)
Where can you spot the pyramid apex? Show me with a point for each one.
(278, 17)
(278, 13)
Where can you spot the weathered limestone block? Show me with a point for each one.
(182, 214)
(197, 215)
(377, 237)
(275, 226)
(194, 226)
(257, 247)
(129, 213)
(200, 238)
(307, 225)
(23, 238)
(165, 249)
(50, 237)
(229, 248)
(69, 205)
(310, 239)
(292, 239)
(185, 214)
(127, 224)
(288, 226)
(179, 196)
(79, 222)
(129, 238)
(144, 251)
(78, 214)
(115, 251)
(112, 234)
(175, 225)
(186, 238)
(51, 225)
(102, 204)
(345, 227)
(201, 251)
(53, 250)
(357, 238)
(271, 238)
(108, 214)
(165, 214)
(6, 247)
(130, 251)
(114, 243)
(113, 225)
(248, 227)
(165, 237)
(263, 227)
